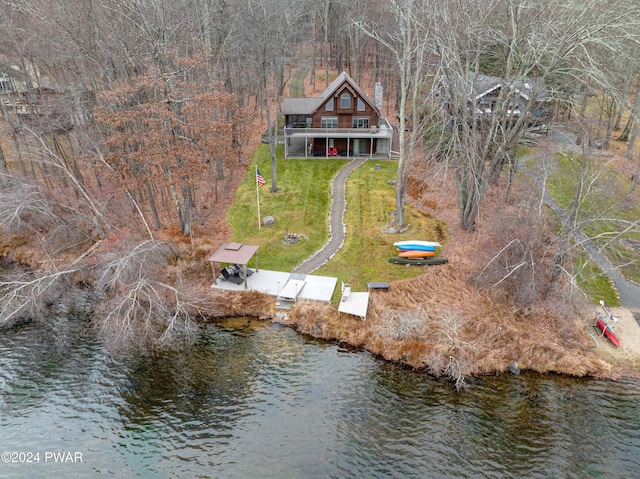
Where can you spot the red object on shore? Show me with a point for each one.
(604, 327)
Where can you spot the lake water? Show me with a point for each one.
(261, 401)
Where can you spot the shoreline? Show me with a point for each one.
(425, 350)
(617, 363)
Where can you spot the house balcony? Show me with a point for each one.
(383, 131)
(304, 142)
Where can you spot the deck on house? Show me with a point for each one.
(273, 283)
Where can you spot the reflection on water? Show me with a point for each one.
(254, 400)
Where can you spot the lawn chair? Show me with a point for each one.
(237, 269)
(346, 292)
(231, 277)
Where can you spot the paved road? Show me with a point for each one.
(628, 291)
(337, 228)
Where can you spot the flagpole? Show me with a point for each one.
(258, 198)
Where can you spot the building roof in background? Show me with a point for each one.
(300, 106)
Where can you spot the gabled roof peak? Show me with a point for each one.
(342, 78)
(337, 82)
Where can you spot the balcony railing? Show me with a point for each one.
(382, 131)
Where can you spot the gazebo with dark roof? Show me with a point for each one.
(234, 253)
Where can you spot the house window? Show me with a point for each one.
(360, 122)
(297, 121)
(345, 100)
(329, 122)
(329, 106)
(5, 84)
(360, 104)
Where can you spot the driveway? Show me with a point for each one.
(628, 291)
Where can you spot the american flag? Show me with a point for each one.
(259, 177)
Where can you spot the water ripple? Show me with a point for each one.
(266, 402)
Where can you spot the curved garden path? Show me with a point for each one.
(337, 228)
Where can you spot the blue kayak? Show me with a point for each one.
(415, 247)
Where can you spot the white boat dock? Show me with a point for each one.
(354, 303)
(273, 283)
(291, 290)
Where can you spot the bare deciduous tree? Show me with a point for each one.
(272, 27)
(458, 365)
(406, 37)
(23, 208)
(528, 40)
(138, 309)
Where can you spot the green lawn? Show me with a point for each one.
(366, 252)
(594, 282)
(302, 207)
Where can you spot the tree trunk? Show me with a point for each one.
(68, 160)
(513, 168)
(632, 140)
(583, 111)
(611, 112)
(624, 136)
(625, 92)
(3, 162)
(273, 141)
(206, 34)
(326, 45)
(635, 110)
(152, 205)
(187, 202)
(176, 203)
(634, 181)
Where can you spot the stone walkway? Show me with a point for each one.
(337, 228)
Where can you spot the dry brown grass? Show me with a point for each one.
(487, 340)
(243, 303)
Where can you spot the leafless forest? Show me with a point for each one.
(125, 123)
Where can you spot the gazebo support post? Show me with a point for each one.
(244, 273)
(213, 271)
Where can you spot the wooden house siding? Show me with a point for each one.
(328, 127)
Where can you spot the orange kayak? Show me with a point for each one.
(416, 254)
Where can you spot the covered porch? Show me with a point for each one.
(372, 142)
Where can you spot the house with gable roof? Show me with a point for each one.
(342, 121)
(486, 90)
(527, 96)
